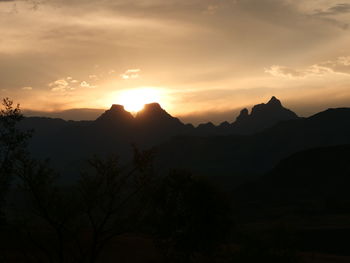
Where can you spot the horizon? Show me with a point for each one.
(90, 114)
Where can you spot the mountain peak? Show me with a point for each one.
(152, 107)
(153, 113)
(243, 115)
(262, 116)
(274, 106)
(117, 107)
(116, 113)
(151, 110)
(274, 101)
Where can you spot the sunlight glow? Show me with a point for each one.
(134, 100)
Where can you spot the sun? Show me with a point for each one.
(135, 99)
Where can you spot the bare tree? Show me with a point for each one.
(85, 217)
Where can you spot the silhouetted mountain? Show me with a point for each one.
(151, 126)
(111, 133)
(256, 153)
(116, 129)
(70, 114)
(153, 114)
(155, 125)
(207, 129)
(316, 172)
(261, 117)
(243, 116)
(116, 115)
(311, 174)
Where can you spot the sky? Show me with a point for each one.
(204, 58)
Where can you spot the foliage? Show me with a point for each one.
(13, 142)
(76, 222)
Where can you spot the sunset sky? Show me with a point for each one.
(205, 57)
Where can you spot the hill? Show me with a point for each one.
(256, 153)
(113, 132)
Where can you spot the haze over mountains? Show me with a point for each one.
(252, 144)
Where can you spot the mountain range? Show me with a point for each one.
(254, 143)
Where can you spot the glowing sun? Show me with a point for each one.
(134, 100)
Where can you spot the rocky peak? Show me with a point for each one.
(272, 108)
(152, 108)
(263, 116)
(116, 113)
(117, 107)
(153, 111)
(274, 101)
(154, 122)
(244, 114)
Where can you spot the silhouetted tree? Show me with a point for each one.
(109, 197)
(12, 143)
(47, 214)
(76, 222)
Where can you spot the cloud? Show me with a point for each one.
(340, 65)
(334, 10)
(287, 72)
(85, 84)
(69, 84)
(334, 14)
(131, 74)
(27, 88)
(344, 60)
(60, 85)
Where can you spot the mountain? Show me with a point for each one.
(116, 129)
(319, 173)
(316, 172)
(116, 115)
(234, 155)
(113, 132)
(253, 144)
(309, 191)
(262, 116)
(70, 114)
(155, 125)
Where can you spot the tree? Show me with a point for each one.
(13, 143)
(76, 222)
(111, 197)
